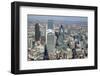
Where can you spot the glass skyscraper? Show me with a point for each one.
(50, 37)
(60, 40)
(50, 24)
(37, 32)
(61, 36)
(50, 42)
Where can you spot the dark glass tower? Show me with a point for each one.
(37, 32)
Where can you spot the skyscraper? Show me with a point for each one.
(61, 36)
(50, 42)
(37, 32)
(50, 37)
(50, 24)
(30, 42)
(60, 40)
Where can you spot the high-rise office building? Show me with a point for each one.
(60, 40)
(30, 42)
(37, 32)
(31, 39)
(50, 24)
(50, 37)
(51, 42)
(61, 36)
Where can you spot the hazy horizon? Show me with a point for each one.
(58, 19)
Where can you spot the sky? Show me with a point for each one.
(63, 19)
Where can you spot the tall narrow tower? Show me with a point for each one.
(50, 37)
(37, 32)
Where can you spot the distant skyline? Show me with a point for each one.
(58, 19)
